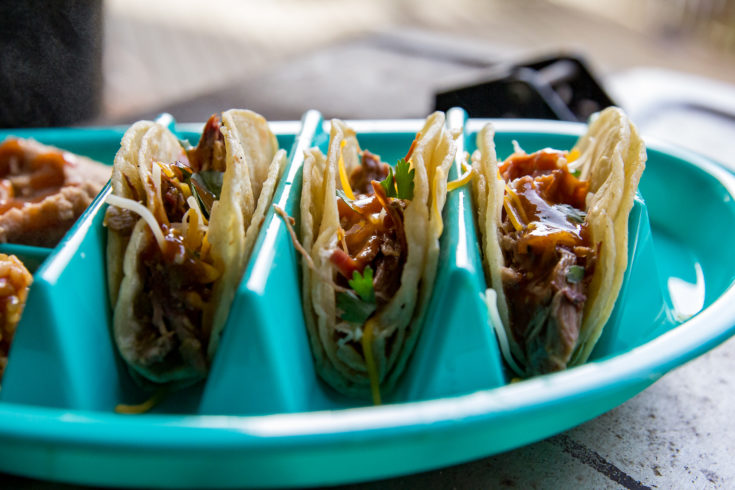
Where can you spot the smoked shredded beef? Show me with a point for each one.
(171, 304)
(546, 300)
(374, 233)
(210, 153)
(176, 283)
(371, 169)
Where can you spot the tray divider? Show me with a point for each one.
(263, 364)
(62, 354)
(457, 352)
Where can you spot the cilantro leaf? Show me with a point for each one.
(354, 310)
(389, 184)
(362, 284)
(341, 194)
(575, 273)
(359, 304)
(573, 214)
(576, 172)
(206, 186)
(404, 179)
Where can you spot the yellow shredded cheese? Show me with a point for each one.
(185, 190)
(372, 368)
(512, 214)
(194, 204)
(341, 238)
(211, 273)
(436, 215)
(166, 170)
(154, 400)
(463, 179)
(572, 155)
(516, 202)
(192, 237)
(205, 246)
(343, 173)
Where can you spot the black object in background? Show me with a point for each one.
(50, 61)
(550, 88)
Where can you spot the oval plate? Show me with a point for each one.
(299, 434)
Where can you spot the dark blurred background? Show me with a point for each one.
(50, 62)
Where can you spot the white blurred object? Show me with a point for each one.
(690, 111)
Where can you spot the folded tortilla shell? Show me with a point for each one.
(234, 222)
(612, 158)
(399, 320)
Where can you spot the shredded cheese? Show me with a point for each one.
(166, 170)
(343, 173)
(413, 146)
(143, 212)
(341, 238)
(192, 237)
(436, 215)
(158, 209)
(185, 189)
(372, 369)
(194, 204)
(206, 246)
(516, 202)
(211, 273)
(463, 179)
(154, 400)
(510, 211)
(573, 155)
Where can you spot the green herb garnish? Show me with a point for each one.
(359, 304)
(399, 184)
(341, 194)
(362, 284)
(389, 184)
(575, 273)
(404, 179)
(573, 214)
(206, 186)
(354, 310)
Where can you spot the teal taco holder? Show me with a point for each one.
(264, 418)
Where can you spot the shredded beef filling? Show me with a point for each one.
(548, 255)
(176, 283)
(171, 302)
(371, 169)
(374, 234)
(210, 152)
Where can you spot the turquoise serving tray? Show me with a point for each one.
(263, 417)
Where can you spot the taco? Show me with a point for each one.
(15, 281)
(371, 239)
(554, 228)
(182, 222)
